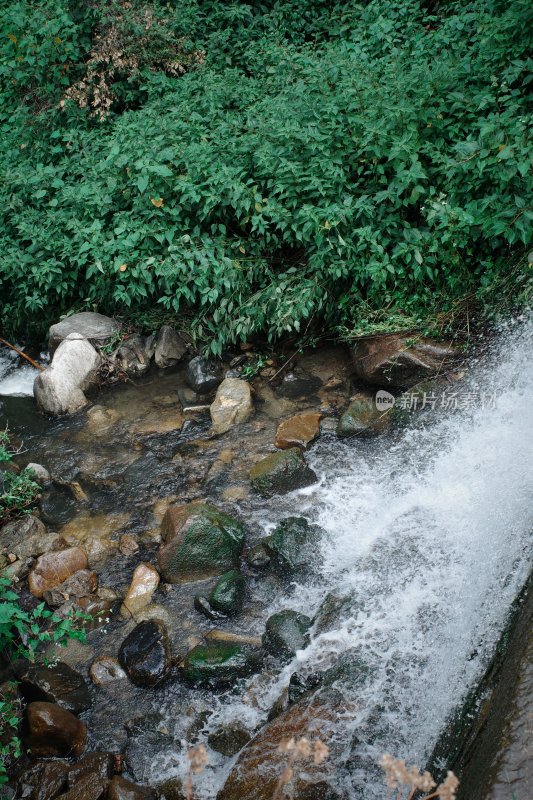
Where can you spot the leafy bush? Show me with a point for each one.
(18, 491)
(327, 162)
(21, 634)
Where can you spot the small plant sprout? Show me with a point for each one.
(402, 778)
(298, 750)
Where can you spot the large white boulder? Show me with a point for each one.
(232, 404)
(95, 327)
(60, 388)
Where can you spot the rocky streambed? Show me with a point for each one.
(267, 559)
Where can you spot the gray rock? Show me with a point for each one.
(169, 347)
(41, 473)
(203, 375)
(134, 354)
(96, 328)
(299, 383)
(59, 389)
(286, 632)
(26, 538)
(232, 404)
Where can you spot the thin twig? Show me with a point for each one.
(32, 362)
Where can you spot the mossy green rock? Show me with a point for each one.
(281, 472)
(362, 418)
(286, 632)
(200, 541)
(228, 594)
(294, 545)
(220, 664)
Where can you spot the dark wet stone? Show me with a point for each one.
(286, 632)
(228, 739)
(203, 375)
(295, 545)
(58, 684)
(43, 780)
(333, 610)
(299, 383)
(53, 731)
(228, 594)
(201, 541)
(259, 556)
(172, 789)
(122, 789)
(90, 787)
(299, 685)
(220, 664)
(148, 738)
(281, 472)
(397, 360)
(145, 653)
(202, 605)
(95, 764)
(58, 505)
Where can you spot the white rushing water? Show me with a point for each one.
(429, 534)
(15, 380)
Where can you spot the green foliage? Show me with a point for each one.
(328, 161)
(21, 634)
(18, 491)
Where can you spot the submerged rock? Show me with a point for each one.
(298, 431)
(53, 731)
(200, 541)
(299, 383)
(202, 605)
(228, 594)
(281, 472)
(294, 545)
(51, 569)
(169, 347)
(232, 404)
(56, 684)
(362, 417)
(228, 739)
(145, 653)
(286, 632)
(399, 361)
(148, 739)
(220, 664)
(256, 774)
(60, 388)
(259, 556)
(143, 584)
(96, 328)
(203, 375)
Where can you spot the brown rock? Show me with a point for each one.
(257, 771)
(143, 584)
(98, 765)
(122, 789)
(399, 361)
(56, 684)
(105, 669)
(52, 569)
(53, 731)
(127, 545)
(81, 584)
(298, 431)
(44, 780)
(90, 787)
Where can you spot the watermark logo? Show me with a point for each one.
(384, 400)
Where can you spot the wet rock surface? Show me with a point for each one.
(90, 787)
(399, 361)
(298, 431)
(53, 731)
(143, 584)
(362, 418)
(281, 472)
(122, 789)
(228, 594)
(60, 388)
(285, 633)
(202, 375)
(43, 780)
(56, 684)
(201, 541)
(105, 669)
(229, 739)
(220, 664)
(294, 544)
(52, 569)
(145, 653)
(232, 404)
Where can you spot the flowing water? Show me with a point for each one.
(428, 543)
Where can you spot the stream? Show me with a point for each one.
(428, 541)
